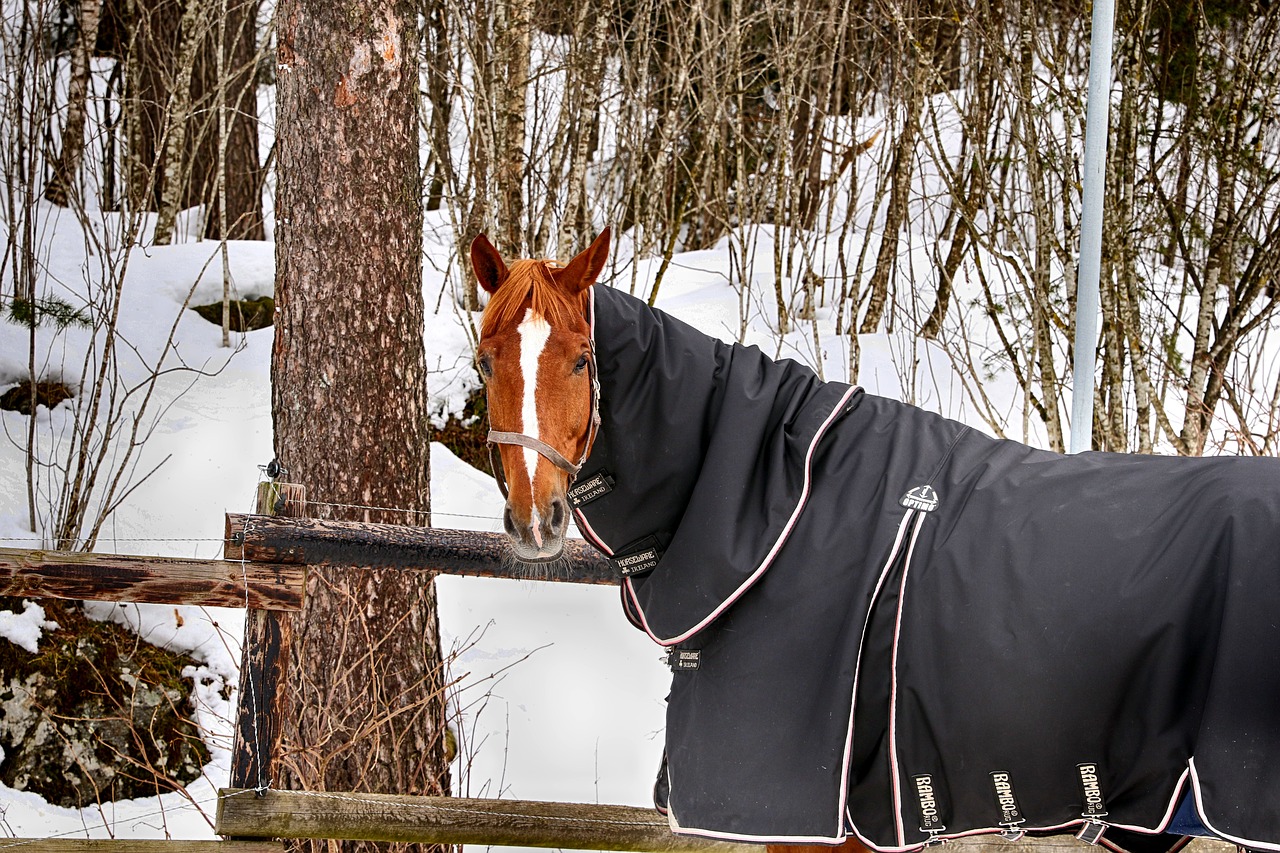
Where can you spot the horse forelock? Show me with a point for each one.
(531, 287)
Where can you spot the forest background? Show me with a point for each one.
(868, 171)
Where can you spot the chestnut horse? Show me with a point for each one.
(536, 359)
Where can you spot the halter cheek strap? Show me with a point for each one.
(541, 447)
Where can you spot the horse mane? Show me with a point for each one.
(529, 284)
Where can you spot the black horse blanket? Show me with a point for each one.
(885, 623)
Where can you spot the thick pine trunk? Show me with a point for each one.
(349, 391)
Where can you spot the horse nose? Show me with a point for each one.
(559, 513)
(509, 523)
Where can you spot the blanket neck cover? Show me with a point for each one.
(886, 624)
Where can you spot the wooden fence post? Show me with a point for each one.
(264, 661)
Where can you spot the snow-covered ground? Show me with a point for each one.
(559, 698)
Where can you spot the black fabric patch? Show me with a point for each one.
(1091, 791)
(597, 485)
(1010, 811)
(642, 558)
(930, 806)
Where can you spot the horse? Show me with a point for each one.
(887, 630)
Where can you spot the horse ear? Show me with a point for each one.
(584, 269)
(485, 260)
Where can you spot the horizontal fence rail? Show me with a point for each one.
(351, 544)
(154, 580)
(129, 845)
(454, 820)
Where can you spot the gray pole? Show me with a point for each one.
(1095, 171)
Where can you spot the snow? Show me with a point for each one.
(25, 629)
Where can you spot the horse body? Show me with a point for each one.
(891, 628)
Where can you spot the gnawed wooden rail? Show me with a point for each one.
(157, 580)
(454, 820)
(349, 544)
(130, 845)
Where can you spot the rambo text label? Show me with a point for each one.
(930, 813)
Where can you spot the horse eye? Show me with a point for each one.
(486, 367)
(581, 365)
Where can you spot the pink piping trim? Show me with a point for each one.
(773, 552)
(765, 839)
(894, 772)
(857, 668)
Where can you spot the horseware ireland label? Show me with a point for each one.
(684, 660)
(638, 562)
(923, 498)
(595, 486)
(930, 813)
(1091, 791)
(1010, 812)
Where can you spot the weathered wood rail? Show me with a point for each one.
(154, 580)
(349, 544)
(132, 845)
(454, 820)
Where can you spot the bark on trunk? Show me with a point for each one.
(349, 392)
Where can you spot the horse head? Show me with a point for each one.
(535, 357)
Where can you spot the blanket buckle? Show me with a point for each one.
(1091, 832)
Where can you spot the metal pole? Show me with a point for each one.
(1095, 172)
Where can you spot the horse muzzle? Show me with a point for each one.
(541, 539)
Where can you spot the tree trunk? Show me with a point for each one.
(242, 173)
(67, 167)
(895, 216)
(151, 54)
(349, 392)
(178, 118)
(514, 47)
(171, 107)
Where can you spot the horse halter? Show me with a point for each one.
(540, 447)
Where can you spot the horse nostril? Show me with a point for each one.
(508, 523)
(557, 514)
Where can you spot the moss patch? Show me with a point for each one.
(48, 394)
(96, 715)
(247, 315)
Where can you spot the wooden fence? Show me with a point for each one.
(266, 558)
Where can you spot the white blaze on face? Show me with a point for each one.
(534, 332)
